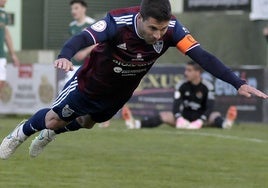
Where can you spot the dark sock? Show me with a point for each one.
(218, 122)
(73, 126)
(35, 123)
(151, 122)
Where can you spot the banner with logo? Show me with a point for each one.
(28, 88)
(201, 5)
(155, 92)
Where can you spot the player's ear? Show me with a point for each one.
(140, 17)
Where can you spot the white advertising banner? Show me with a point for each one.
(28, 89)
(259, 10)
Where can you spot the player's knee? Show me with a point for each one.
(88, 126)
(167, 117)
(213, 116)
(53, 122)
(86, 122)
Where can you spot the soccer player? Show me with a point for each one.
(130, 41)
(81, 22)
(192, 108)
(5, 38)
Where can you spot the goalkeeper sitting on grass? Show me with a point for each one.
(192, 108)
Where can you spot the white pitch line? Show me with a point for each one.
(230, 137)
(204, 134)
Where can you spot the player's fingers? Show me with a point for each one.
(65, 66)
(60, 64)
(68, 66)
(257, 93)
(260, 94)
(244, 93)
(72, 68)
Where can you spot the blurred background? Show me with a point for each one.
(233, 30)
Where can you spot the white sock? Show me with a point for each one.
(137, 124)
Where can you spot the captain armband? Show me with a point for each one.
(187, 43)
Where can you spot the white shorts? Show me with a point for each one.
(3, 69)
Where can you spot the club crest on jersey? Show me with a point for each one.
(199, 95)
(158, 46)
(67, 111)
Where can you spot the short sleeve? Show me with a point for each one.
(183, 39)
(102, 30)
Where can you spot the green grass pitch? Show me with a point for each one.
(157, 158)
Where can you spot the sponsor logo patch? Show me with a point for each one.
(99, 26)
(122, 46)
(118, 69)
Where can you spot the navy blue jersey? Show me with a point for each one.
(117, 65)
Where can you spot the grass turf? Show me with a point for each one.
(163, 158)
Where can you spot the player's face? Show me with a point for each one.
(2, 3)
(191, 74)
(78, 11)
(151, 30)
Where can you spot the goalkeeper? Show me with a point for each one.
(192, 109)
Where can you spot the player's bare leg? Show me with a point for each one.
(150, 122)
(48, 135)
(216, 119)
(168, 118)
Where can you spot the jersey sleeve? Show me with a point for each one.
(178, 101)
(102, 30)
(183, 39)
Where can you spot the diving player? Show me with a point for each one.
(130, 41)
(193, 106)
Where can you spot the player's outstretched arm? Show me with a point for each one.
(64, 64)
(214, 66)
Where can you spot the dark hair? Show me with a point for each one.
(157, 9)
(195, 65)
(81, 2)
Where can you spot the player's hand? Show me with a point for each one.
(248, 91)
(64, 64)
(15, 60)
(197, 124)
(182, 123)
